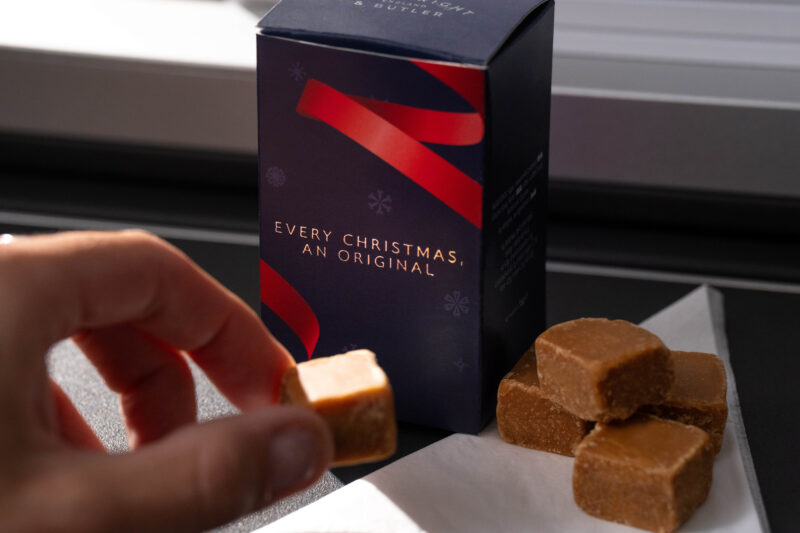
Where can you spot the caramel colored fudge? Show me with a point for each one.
(646, 472)
(352, 394)
(601, 369)
(697, 396)
(526, 417)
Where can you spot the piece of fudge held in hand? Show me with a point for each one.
(645, 472)
(698, 394)
(601, 369)
(352, 394)
(526, 417)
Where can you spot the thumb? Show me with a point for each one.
(208, 474)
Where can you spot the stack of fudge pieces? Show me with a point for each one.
(642, 422)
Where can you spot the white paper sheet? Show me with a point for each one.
(467, 483)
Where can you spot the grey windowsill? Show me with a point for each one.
(650, 92)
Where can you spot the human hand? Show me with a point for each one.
(135, 304)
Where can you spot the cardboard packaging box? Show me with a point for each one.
(403, 180)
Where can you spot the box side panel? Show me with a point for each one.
(354, 252)
(516, 199)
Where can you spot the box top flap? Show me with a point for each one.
(465, 31)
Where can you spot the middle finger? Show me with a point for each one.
(153, 380)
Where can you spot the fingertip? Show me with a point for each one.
(297, 454)
(249, 461)
(205, 475)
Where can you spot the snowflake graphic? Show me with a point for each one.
(456, 304)
(349, 347)
(460, 365)
(380, 202)
(297, 72)
(275, 176)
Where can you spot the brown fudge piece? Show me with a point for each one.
(601, 369)
(526, 417)
(352, 394)
(697, 396)
(647, 472)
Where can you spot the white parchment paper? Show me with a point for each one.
(467, 483)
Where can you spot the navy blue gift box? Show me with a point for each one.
(403, 152)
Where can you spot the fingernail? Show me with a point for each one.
(6, 238)
(294, 456)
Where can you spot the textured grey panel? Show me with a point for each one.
(99, 406)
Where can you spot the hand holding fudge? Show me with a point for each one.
(633, 467)
(137, 307)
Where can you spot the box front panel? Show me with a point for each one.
(370, 206)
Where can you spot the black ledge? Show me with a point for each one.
(693, 231)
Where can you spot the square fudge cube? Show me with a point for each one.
(646, 472)
(352, 394)
(526, 417)
(601, 369)
(698, 394)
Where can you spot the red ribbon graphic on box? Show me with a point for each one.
(290, 306)
(395, 133)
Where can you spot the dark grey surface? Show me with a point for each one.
(761, 327)
(761, 331)
(679, 230)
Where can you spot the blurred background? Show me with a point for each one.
(675, 124)
(674, 160)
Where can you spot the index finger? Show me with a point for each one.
(69, 282)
